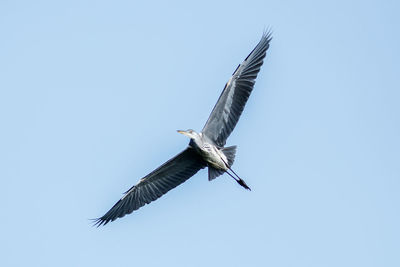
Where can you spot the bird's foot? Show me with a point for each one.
(242, 183)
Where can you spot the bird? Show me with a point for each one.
(206, 149)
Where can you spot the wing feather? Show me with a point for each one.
(233, 98)
(166, 177)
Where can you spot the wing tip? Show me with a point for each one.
(267, 34)
(263, 44)
(97, 222)
(266, 38)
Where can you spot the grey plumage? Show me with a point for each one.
(230, 104)
(166, 177)
(206, 149)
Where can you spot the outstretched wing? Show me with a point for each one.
(166, 177)
(233, 98)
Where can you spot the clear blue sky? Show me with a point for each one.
(91, 96)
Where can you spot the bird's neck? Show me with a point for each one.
(196, 141)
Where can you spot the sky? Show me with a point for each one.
(91, 96)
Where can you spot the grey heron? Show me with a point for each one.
(206, 148)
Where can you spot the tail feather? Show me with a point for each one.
(230, 153)
(214, 173)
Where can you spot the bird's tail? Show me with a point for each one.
(230, 153)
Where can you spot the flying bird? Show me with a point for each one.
(206, 148)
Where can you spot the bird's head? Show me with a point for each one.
(189, 133)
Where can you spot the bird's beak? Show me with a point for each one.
(183, 132)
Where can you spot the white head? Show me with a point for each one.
(190, 133)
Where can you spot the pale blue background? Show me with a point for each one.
(92, 93)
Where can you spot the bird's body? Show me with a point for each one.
(206, 148)
(211, 154)
(214, 156)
